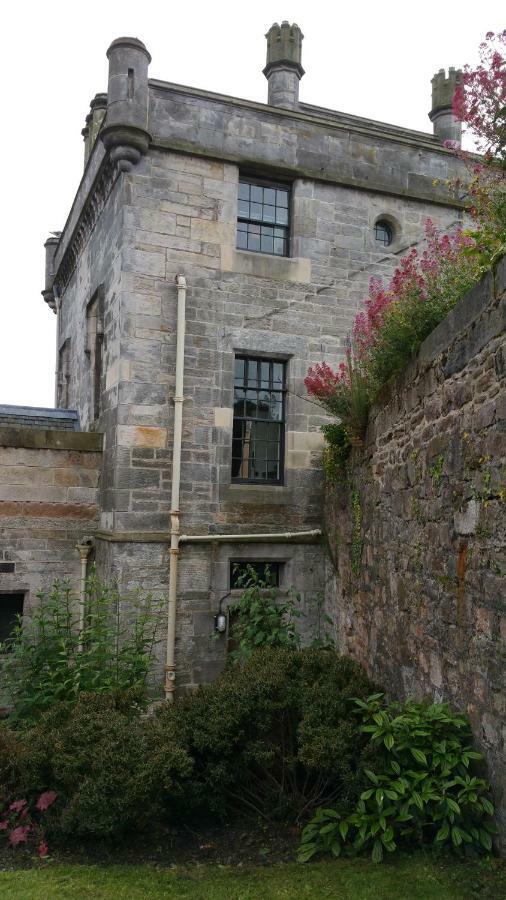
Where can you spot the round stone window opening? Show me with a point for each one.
(383, 233)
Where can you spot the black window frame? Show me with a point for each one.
(382, 225)
(265, 184)
(274, 565)
(258, 360)
(20, 597)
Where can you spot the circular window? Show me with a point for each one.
(383, 233)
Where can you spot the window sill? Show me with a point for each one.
(265, 265)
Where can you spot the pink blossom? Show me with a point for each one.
(46, 800)
(4, 825)
(18, 805)
(19, 835)
(321, 380)
(481, 95)
(43, 849)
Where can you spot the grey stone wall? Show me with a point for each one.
(423, 607)
(48, 502)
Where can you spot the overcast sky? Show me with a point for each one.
(368, 58)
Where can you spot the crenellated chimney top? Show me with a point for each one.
(446, 126)
(283, 69)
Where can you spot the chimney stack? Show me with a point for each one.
(446, 126)
(284, 69)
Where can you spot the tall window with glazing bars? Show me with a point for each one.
(263, 218)
(259, 416)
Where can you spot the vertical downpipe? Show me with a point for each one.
(84, 549)
(170, 668)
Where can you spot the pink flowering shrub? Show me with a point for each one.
(480, 103)
(396, 318)
(21, 823)
(423, 289)
(480, 98)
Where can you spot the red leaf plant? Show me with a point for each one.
(46, 800)
(22, 822)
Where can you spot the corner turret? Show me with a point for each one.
(94, 119)
(125, 133)
(50, 247)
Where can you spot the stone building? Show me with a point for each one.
(215, 248)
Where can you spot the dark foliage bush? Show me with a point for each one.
(11, 765)
(275, 737)
(101, 757)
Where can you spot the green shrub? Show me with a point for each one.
(274, 737)
(422, 788)
(335, 452)
(262, 616)
(11, 765)
(102, 759)
(54, 656)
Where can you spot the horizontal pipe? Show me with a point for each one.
(281, 537)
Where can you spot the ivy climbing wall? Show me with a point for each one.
(417, 571)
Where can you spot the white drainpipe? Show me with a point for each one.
(269, 537)
(170, 668)
(84, 549)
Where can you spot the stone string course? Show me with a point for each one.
(426, 611)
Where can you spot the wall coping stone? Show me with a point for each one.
(50, 439)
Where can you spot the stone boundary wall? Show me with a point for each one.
(48, 502)
(417, 539)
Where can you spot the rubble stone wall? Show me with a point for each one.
(417, 583)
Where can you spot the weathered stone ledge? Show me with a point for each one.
(50, 439)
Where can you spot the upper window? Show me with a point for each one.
(383, 233)
(263, 218)
(259, 414)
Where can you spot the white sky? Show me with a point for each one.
(368, 58)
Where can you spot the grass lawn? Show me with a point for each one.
(414, 878)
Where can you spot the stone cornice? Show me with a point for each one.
(92, 207)
(287, 171)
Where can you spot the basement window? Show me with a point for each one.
(263, 217)
(11, 608)
(266, 571)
